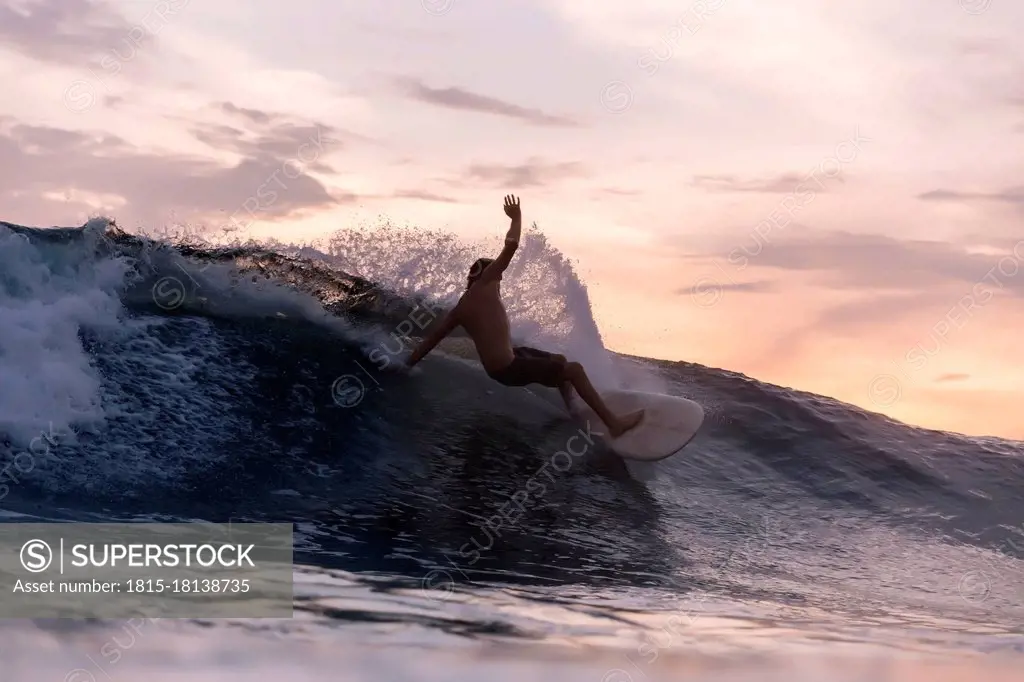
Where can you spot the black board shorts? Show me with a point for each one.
(532, 366)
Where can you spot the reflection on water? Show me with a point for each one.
(349, 627)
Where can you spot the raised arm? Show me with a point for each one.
(441, 329)
(494, 270)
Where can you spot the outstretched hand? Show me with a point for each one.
(512, 207)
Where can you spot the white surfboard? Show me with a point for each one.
(669, 423)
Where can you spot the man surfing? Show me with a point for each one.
(482, 314)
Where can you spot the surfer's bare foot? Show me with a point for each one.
(624, 424)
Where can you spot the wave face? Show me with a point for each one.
(142, 379)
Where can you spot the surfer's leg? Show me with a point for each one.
(565, 388)
(617, 426)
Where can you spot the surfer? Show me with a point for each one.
(482, 314)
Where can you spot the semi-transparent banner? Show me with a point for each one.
(156, 570)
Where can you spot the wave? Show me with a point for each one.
(147, 378)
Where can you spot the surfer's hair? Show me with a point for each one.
(478, 268)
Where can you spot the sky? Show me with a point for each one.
(821, 194)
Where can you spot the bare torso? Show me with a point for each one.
(482, 314)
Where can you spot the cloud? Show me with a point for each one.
(302, 144)
(907, 288)
(857, 320)
(952, 377)
(61, 31)
(533, 173)
(759, 286)
(851, 318)
(616, 192)
(784, 183)
(253, 115)
(423, 195)
(464, 100)
(95, 170)
(1010, 195)
(876, 262)
(275, 132)
(70, 32)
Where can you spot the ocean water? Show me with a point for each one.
(442, 532)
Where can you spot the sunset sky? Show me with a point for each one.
(823, 194)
